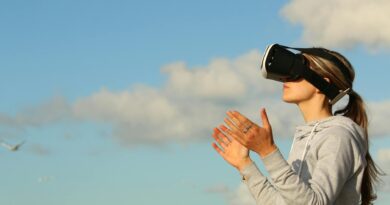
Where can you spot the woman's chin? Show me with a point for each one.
(288, 100)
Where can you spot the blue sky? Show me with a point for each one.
(95, 89)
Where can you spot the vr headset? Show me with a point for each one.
(282, 65)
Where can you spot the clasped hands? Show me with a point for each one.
(234, 141)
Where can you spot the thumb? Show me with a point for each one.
(264, 119)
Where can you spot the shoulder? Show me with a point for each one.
(334, 138)
(343, 141)
(342, 136)
(341, 128)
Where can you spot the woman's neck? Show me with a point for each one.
(312, 110)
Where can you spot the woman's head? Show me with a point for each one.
(301, 90)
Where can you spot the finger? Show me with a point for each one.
(232, 126)
(233, 119)
(244, 121)
(222, 136)
(264, 119)
(233, 135)
(219, 150)
(219, 141)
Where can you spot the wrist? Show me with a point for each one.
(264, 152)
(244, 163)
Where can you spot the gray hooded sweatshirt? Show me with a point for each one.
(325, 166)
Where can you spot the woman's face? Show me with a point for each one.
(298, 91)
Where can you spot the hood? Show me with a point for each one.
(357, 132)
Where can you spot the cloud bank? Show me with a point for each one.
(347, 23)
(383, 160)
(187, 107)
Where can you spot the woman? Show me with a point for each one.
(329, 161)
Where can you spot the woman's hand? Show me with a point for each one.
(232, 151)
(254, 137)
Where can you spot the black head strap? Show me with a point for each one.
(320, 52)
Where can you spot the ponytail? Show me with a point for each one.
(356, 110)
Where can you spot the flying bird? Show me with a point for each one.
(12, 148)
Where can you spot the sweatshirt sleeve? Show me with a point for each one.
(259, 186)
(333, 168)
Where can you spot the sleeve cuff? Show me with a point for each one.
(250, 171)
(275, 164)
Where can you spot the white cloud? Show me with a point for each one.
(186, 107)
(384, 163)
(221, 79)
(346, 23)
(379, 114)
(141, 115)
(218, 81)
(51, 111)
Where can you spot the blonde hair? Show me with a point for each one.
(355, 110)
